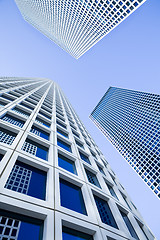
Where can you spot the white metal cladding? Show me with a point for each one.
(47, 96)
(76, 25)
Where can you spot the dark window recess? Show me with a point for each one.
(71, 234)
(63, 145)
(93, 154)
(2, 103)
(105, 212)
(1, 156)
(79, 144)
(7, 97)
(13, 120)
(124, 197)
(62, 119)
(45, 115)
(67, 164)
(27, 180)
(40, 132)
(129, 225)
(112, 192)
(35, 149)
(100, 169)
(62, 133)
(92, 178)
(71, 197)
(16, 226)
(26, 105)
(42, 122)
(61, 124)
(141, 227)
(72, 126)
(84, 157)
(76, 134)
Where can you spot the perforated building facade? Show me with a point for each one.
(76, 25)
(130, 120)
(55, 182)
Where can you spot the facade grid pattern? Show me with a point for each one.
(76, 25)
(57, 175)
(130, 120)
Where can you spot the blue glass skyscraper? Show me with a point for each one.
(131, 122)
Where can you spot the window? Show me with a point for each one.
(26, 105)
(105, 212)
(13, 120)
(39, 132)
(67, 164)
(75, 133)
(28, 180)
(61, 118)
(100, 169)
(1, 156)
(124, 197)
(71, 234)
(79, 144)
(92, 178)
(42, 122)
(20, 111)
(93, 154)
(16, 227)
(112, 192)
(61, 124)
(45, 115)
(141, 227)
(71, 197)
(35, 149)
(7, 136)
(64, 145)
(84, 157)
(62, 133)
(129, 225)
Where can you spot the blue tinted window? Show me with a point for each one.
(71, 234)
(27, 180)
(20, 227)
(71, 197)
(63, 145)
(100, 169)
(105, 212)
(92, 178)
(13, 120)
(84, 157)
(40, 132)
(35, 149)
(66, 163)
(62, 133)
(129, 225)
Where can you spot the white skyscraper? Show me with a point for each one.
(76, 25)
(55, 182)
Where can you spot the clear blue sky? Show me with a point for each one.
(128, 57)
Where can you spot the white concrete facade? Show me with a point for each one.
(76, 25)
(46, 97)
